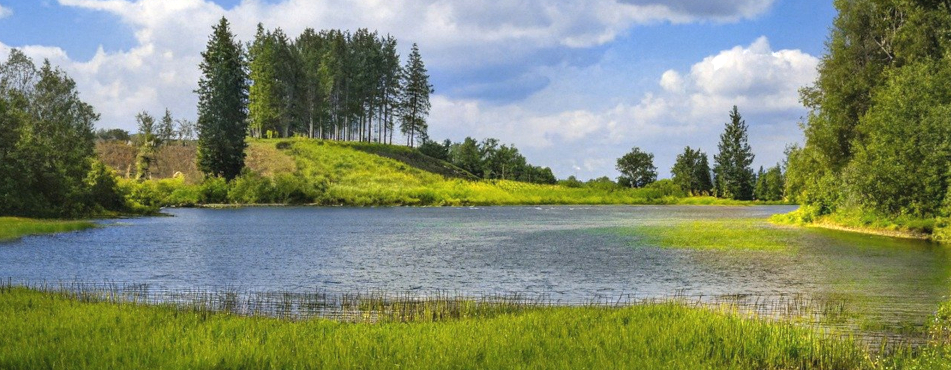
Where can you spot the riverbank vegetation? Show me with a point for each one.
(876, 153)
(663, 335)
(16, 227)
(305, 171)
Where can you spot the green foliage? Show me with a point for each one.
(436, 150)
(637, 168)
(878, 131)
(46, 145)
(691, 172)
(770, 184)
(222, 105)
(116, 134)
(15, 227)
(45, 329)
(733, 175)
(148, 140)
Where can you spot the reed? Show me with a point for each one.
(112, 326)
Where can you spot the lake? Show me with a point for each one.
(557, 252)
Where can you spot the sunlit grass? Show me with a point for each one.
(16, 227)
(715, 234)
(49, 330)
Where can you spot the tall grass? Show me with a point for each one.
(51, 330)
(17, 227)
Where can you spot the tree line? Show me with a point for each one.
(487, 159)
(334, 84)
(330, 84)
(731, 176)
(879, 126)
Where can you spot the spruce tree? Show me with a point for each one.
(416, 90)
(734, 176)
(222, 105)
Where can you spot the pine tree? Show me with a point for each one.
(734, 177)
(166, 129)
(416, 90)
(222, 105)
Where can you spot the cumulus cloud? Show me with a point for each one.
(495, 46)
(690, 108)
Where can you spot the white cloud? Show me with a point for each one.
(161, 70)
(5, 12)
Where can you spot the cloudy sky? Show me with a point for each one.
(574, 84)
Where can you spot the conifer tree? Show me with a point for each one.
(416, 90)
(734, 176)
(222, 105)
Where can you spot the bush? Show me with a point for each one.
(214, 190)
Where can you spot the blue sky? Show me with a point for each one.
(573, 83)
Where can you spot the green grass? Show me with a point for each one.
(341, 173)
(869, 223)
(50, 330)
(15, 227)
(717, 234)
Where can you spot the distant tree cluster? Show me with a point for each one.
(330, 84)
(731, 176)
(47, 161)
(336, 85)
(488, 160)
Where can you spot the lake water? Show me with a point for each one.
(555, 252)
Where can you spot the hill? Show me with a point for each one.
(304, 171)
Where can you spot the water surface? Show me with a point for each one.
(552, 251)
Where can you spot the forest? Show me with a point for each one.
(878, 134)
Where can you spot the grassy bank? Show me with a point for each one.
(49, 330)
(15, 227)
(301, 171)
(899, 227)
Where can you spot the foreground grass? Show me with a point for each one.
(16, 227)
(49, 330)
(717, 234)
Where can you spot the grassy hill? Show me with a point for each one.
(304, 171)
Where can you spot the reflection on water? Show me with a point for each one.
(547, 251)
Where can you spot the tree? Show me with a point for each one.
(116, 134)
(148, 140)
(46, 143)
(467, 156)
(264, 93)
(222, 105)
(691, 172)
(637, 168)
(185, 131)
(734, 177)
(436, 150)
(165, 132)
(416, 91)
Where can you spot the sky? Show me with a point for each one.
(574, 84)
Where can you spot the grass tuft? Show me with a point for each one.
(12, 228)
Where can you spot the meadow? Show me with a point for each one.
(16, 227)
(57, 330)
(303, 171)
